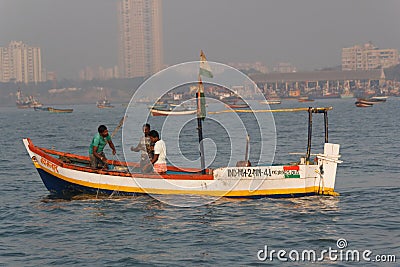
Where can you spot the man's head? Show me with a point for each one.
(154, 137)
(146, 129)
(102, 130)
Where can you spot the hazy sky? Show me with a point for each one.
(308, 33)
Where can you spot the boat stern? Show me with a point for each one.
(327, 163)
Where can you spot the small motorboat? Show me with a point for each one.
(305, 99)
(271, 101)
(363, 104)
(58, 110)
(172, 112)
(41, 108)
(365, 101)
(378, 99)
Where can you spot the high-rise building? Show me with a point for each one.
(21, 63)
(140, 37)
(367, 57)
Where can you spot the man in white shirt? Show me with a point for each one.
(160, 153)
(145, 147)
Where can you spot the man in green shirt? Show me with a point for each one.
(96, 154)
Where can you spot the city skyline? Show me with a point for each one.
(309, 34)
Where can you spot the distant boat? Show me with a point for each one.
(58, 110)
(366, 101)
(27, 102)
(347, 95)
(159, 105)
(235, 102)
(234, 106)
(363, 104)
(305, 99)
(104, 103)
(378, 99)
(326, 96)
(160, 112)
(168, 110)
(41, 108)
(271, 101)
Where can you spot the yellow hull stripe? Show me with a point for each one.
(236, 193)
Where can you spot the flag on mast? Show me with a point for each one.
(201, 101)
(205, 70)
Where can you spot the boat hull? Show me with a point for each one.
(365, 101)
(271, 102)
(156, 112)
(363, 105)
(57, 110)
(62, 188)
(105, 106)
(235, 106)
(64, 179)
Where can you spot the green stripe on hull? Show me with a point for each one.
(292, 175)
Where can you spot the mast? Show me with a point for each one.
(308, 153)
(204, 70)
(200, 126)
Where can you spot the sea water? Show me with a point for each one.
(38, 230)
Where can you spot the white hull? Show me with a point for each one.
(261, 181)
(157, 112)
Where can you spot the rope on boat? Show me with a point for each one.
(121, 122)
(314, 110)
(321, 180)
(116, 158)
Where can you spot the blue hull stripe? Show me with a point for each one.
(59, 187)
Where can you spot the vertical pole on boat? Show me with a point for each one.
(200, 131)
(246, 157)
(326, 125)
(204, 70)
(200, 117)
(309, 135)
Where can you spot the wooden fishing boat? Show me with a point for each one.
(66, 174)
(347, 94)
(378, 99)
(41, 108)
(271, 101)
(235, 102)
(305, 99)
(161, 106)
(58, 110)
(104, 103)
(234, 106)
(363, 105)
(27, 102)
(172, 112)
(365, 101)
